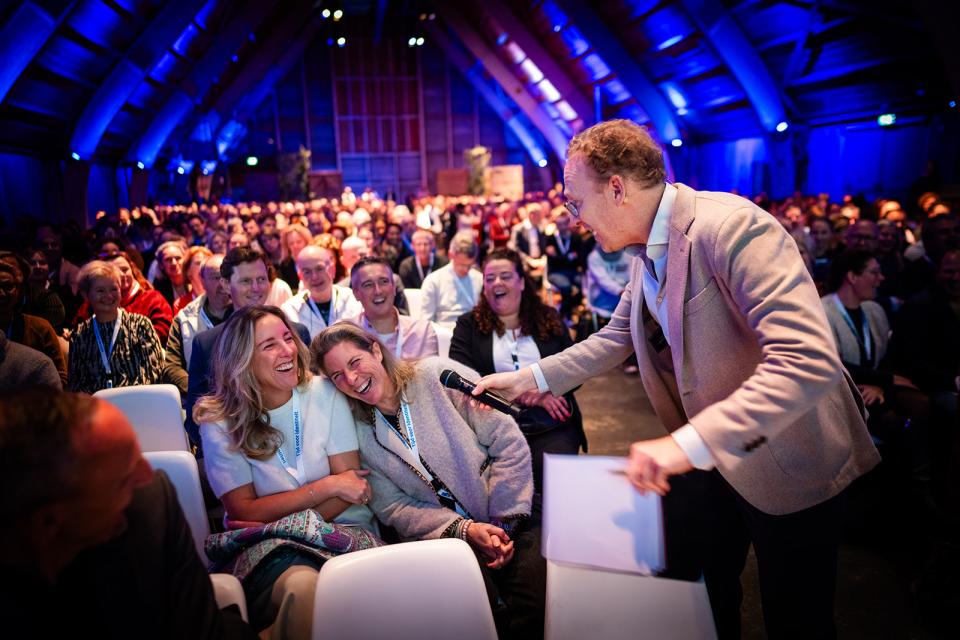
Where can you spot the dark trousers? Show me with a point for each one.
(517, 591)
(709, 530)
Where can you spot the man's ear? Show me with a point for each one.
(619, 191)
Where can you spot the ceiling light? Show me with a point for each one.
(677, 142)
(782, 126)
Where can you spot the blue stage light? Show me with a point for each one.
(75, 155)
(543, 162)
(782, 126)
(886, 119)
(252, 161)
(677, 142)
(140, 165)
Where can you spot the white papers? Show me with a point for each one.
(592, 516)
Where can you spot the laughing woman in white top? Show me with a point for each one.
(278, 441)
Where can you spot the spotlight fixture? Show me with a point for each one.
(75, 155)
(252, 161)
(886, 119)
(542, 162)
(411, 42)
(325, 13)
(180, 170)
(677, 142)
(337, 15)
(952, 104)
(140, 165)
(341, 41)
(419, 42)
(782, 126)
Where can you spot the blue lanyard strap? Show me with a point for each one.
(104, 352)
(864, 338)
(298, 474)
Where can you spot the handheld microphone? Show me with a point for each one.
(453, 380)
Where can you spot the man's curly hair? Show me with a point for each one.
(620, 147)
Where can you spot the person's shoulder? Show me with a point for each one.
(36, 324)
(295, 303)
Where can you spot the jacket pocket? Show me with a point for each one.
(702, 298)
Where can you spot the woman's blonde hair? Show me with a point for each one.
(285, 238)
(399, 371)
(237, 398)
(95, 269)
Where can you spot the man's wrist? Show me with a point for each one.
(538, 377)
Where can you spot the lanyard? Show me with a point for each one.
(411, 441)
(463, 288)
(447, 499)
(398, 348)
(420, 267)
(863, 339)
(104, 353)
(563, 246)
(298, 474)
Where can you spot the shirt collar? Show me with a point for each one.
(659, 237)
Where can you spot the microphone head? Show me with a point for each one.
(450, 379)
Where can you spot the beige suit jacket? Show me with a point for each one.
(751, 364)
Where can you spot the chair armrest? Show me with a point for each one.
(228, 590)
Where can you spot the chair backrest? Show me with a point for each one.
(428, 589)
(181, 467)
(414, 300)
(155, 413)
(444, 336)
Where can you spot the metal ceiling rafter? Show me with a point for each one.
(283, 47)
(741, 59)
(128, 73)
(511, 85)
(519, 33)
(473, 73)
(606, 44)
(21, 39)
(198, 82)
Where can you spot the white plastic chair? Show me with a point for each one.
(444, 337)
(583, 602)
(181, 468)
(430, 589)
(154, 411)
(414, 300)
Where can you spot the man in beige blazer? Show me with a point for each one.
(766, 429)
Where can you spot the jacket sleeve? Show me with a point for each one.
(603, 350)
(461, 344)
(412, 518)
(510, 474)
(173, 369)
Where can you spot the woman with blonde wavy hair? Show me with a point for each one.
(279, 443)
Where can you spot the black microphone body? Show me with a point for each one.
(452, 380)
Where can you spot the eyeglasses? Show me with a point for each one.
(572, 208)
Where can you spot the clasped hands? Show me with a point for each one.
(491, 542)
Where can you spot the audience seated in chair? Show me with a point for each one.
(97, 544)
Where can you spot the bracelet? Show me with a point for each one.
(465, 525)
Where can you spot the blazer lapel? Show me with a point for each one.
(678, 266)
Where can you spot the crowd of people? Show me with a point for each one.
(300, 336)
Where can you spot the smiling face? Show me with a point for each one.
(865, 283)
(582, 190)
(249, 284)
(373, 286)
(422, 246)
(502, 287)
(274, 363)
(317, 267)
(104, 296)
(360, 374)
(295, 243)
(126, 276)
(172, 262)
